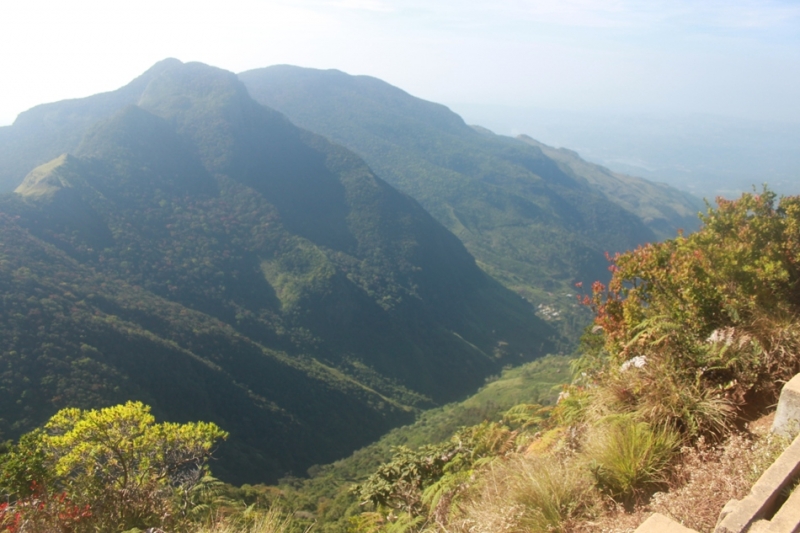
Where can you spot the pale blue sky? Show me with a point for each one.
(735, 57)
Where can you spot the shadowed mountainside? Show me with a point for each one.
(533, 218)
(180, 244)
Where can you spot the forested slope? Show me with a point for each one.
(190, 248)
(534, 222)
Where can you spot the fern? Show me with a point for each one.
(440, 496)
(526, 416)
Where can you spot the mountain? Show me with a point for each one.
(662, 208)
(178, 243)
(536, 219)
(49, 130)
(704, 154)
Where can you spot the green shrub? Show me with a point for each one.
(709, 319)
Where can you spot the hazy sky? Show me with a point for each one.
(731, 57)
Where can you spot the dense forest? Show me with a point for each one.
(199, 253)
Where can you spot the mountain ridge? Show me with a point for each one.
(507, 200)
(634, 194)
(46, 131)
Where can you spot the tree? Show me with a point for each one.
(112, 469)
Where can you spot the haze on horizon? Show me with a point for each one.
(733, 58)
(700, 95)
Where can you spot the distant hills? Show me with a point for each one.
(662, 208)
(707, 155)
(536, 218)
(178, 243)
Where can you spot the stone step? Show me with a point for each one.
(658, 523)
(750, 514)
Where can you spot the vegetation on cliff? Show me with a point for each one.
(105, 470)
(692, 338)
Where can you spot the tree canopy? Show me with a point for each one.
(109, 469)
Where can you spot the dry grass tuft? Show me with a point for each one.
(529, 494)
(711, 476)
(708, 477)
(273, 521)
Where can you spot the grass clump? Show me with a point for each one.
(528, 493)
(270, 521)
(551, 493)
(630, 459)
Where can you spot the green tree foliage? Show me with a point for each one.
(109, 469)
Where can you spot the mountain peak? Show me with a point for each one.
(178, 87)
(281, 87)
